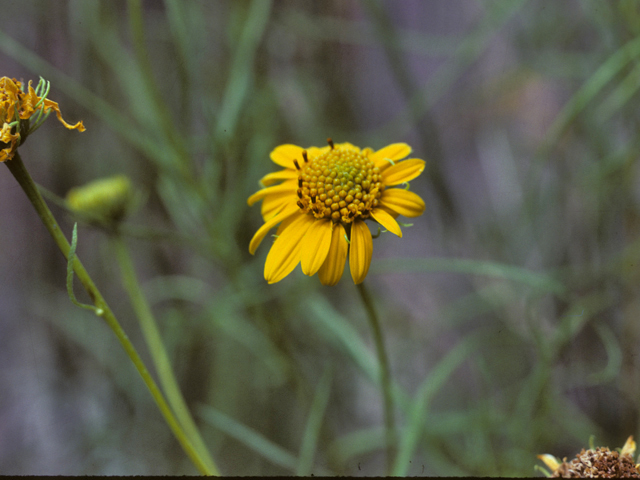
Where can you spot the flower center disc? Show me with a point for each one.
(341, 184)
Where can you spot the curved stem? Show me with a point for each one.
(385, 375)
(158, 352)
(18, 170)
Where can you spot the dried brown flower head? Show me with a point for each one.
(599, 462)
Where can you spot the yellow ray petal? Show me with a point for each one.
(288, 211)
(348, 146)
(284, 155)
(272, 204)
(48, 104)
(403, 171)
(11, 139)
(333, 266)
(315, 246)
(629, 447)
(317, 151)
(402, 202)
(393, 152)
(31, 100)
(285, 223)
(550, 461)
(288, 187)
(361, 250)
(387, 221)
(285, 251)
(274, 177)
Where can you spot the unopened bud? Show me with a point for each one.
(107, 198)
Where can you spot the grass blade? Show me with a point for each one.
(250, 438)
(428, 389)
(314, 424)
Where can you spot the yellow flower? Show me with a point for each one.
(17, 109)
(322, 201)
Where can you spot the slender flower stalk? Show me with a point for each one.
(159, 354)
(18, 170)
(106, 202)
(385, 375)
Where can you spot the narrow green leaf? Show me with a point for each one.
(608, 70)
(620, 97)
(418, 412)
(335, 327)
(314, 424)
(614, 355)
(471, 267)
(357, 443)
(240, 75)
(249, 437)
(70, 259)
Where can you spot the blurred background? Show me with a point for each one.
(510, 308)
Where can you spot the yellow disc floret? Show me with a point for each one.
(341, 184)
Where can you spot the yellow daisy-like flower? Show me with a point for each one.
(322, 201)
(17, 109)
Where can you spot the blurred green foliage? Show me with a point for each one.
(510, 309)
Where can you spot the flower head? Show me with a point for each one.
(105, 200)
(23, 112)
(598, 462)
(321, 201)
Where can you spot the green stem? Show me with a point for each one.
(385, 375)
(18, 170)
(159, 354)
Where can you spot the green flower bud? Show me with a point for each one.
(105, 200)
